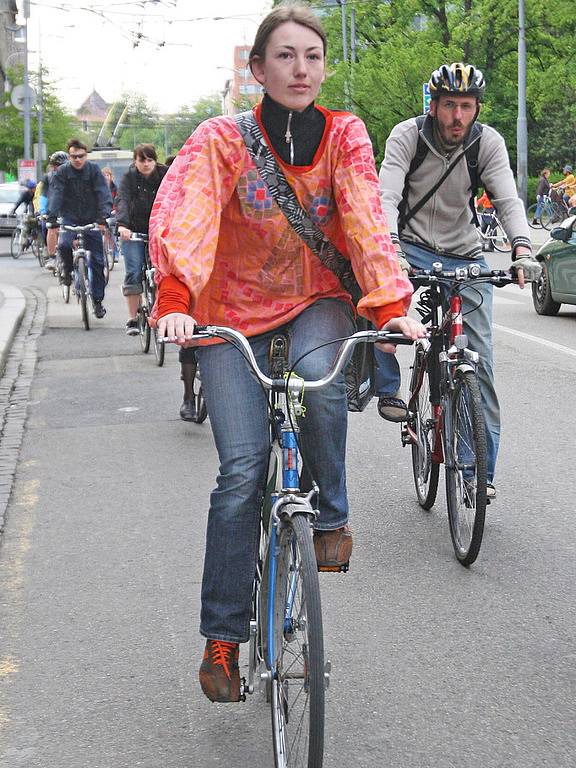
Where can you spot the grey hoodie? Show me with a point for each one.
(445, 222)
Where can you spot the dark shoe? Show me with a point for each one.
(99, 310)
(219, 675)
(535, 222)
(188, 410)
(392, 409)
(66, 278)
(132, 328)
(333, 549)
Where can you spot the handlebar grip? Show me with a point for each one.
(397, 338)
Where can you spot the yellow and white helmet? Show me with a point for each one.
(457, 78)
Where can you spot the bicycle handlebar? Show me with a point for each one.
(81, 228)
(295, 384)
(139, 237)
(471, 274)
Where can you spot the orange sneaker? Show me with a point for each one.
(219, 674)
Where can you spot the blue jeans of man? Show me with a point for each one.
(539, 206)
(477, 326)
(92, 243)
(238, 414)
(133, 253)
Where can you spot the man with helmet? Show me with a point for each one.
(567, 184)
(432, 168)
(51, 236)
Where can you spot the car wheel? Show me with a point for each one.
(544, 304)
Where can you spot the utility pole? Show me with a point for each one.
(27, 94)
(522, 125)
(345, 54)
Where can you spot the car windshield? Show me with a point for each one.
(9, 195)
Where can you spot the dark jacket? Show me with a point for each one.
(79, 197)
(543, 187)
(136, 196)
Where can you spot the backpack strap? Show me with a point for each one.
(471, 155)
(273, 176)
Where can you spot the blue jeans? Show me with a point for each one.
(93, 243)
(133, 253)
(539, 206)
(477, 326)
(238, 414)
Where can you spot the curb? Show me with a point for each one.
(11, 311)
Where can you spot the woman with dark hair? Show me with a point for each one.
(133, 204)
(227, 255)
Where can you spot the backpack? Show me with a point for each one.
(422, 149)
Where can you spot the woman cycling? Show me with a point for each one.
(226, 255)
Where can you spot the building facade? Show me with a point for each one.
(242, 90)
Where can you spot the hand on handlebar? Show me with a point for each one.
(124, 233)
(526, 268)
(403, 263)
(177, 327)
(410, 327)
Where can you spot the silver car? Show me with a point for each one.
(9, 194)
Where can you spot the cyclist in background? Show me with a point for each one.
(567, 185)
(442, 226)
(542, 191)
(80, 195)
(26, 198)
(51, 235)
(226, 255)
(134, 201)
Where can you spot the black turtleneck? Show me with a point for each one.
(306, 128)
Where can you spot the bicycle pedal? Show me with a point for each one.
(334, 568)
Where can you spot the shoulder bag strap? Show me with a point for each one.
(285, 197)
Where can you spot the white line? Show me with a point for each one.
(538, 340)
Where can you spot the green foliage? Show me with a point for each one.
(400, 42)
(58, 126)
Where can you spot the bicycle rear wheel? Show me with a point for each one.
(553, 213)
(500, 239)
(534, 222)
(297, 696)
(82, 291)
(465, 458)
(201, 410)
(426, 472)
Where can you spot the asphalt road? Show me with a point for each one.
(434, 665)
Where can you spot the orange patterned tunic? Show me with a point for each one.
(225, 253)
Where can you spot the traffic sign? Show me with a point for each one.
(17, 97)
(426, 98)
(26, 170)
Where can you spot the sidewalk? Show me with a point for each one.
(12, 306)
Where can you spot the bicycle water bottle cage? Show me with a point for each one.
(278, 356)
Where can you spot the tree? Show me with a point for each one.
(58, 125)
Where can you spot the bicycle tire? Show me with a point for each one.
(109, 250)
(16, 243)
(465, 453)
(553, 213)
(201, 410)
(144, 328)
(298, 685)
(65, 292)
(41, 253)
(425, 471)
(500, 239)
(82, 291)
(531, 216)
(105, 269)
(159, 349)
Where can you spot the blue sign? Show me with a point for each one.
(426, 98)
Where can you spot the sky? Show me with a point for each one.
(169, 50)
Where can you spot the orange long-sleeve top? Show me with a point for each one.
(225, 253)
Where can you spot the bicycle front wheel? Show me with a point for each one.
(144, 328)
(298, 684)
(82, 291)
(465, 458)
(201, 410)
(553, 213)
(426, 472)
(16, 243)
(159, 349)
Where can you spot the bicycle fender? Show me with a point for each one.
(466, 368)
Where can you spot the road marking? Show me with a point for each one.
(506, 300)
(129, 409)
(538, 340)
